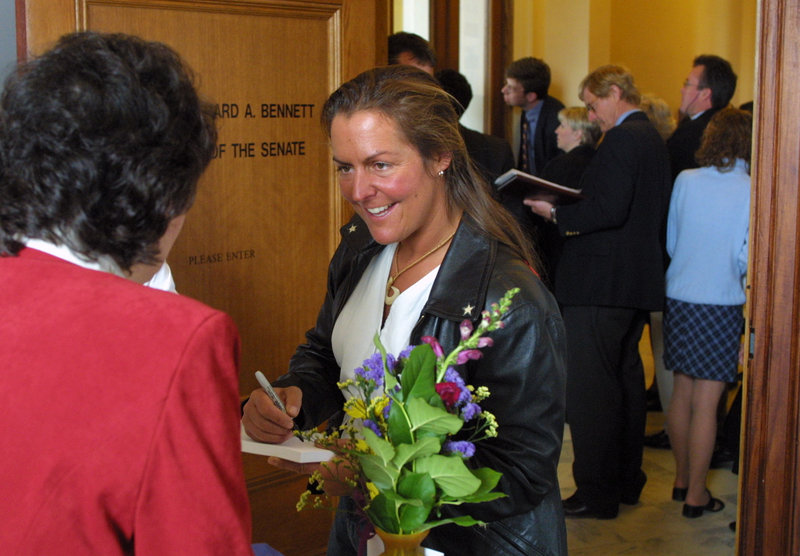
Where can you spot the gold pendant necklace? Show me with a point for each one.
(391, 291)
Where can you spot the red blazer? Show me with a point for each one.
(120, 417)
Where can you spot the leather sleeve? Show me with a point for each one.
(525, 372)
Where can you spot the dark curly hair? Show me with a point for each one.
(424, 114)
(727, 137)
(102, 141)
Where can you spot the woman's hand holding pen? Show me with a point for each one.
(264, 421)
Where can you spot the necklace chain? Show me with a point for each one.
(391, 291)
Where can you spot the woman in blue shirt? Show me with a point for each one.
(707, 231)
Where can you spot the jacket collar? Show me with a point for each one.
(460, 288)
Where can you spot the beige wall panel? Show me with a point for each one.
(656, 40)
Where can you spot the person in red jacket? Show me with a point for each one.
(120, 402)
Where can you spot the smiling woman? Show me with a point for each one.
(427, 233)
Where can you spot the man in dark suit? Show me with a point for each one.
(526, 85)
(708, 89)
(609, 277)
(492, 155)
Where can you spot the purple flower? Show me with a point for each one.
(468, 354)
(466, 449)
(370, 424)
(372, 369)
(470, 410)
(388, 407)
(434, 343)
(406, 352)
(466, 329)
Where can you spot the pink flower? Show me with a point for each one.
(449, 392)
(485, 342)
(466, 329)
(468, 354)
(434, 343)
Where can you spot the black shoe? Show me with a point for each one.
(679, 494)
(722, 457)
(658, 440)
(631, 496)
(652, 399)
(713, 505)
(575, 507)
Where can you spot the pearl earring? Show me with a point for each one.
(441, 172)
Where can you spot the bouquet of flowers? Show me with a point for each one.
(398, 450)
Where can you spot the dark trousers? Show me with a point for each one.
(606, 405)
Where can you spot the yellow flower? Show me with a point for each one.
(491, 424)
(480, 394)
(355, 408)
(377, 407)
(373, 490)
(361, 445)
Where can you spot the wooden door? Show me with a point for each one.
(257, 242)
(769, 493)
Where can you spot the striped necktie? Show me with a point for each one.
(524, 164)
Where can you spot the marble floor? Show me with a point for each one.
(655, 525)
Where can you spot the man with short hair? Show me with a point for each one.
(412, 50)
(526, 85)
(492, 155)
(609, 277)
(708, 88)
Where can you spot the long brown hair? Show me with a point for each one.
(424, 114)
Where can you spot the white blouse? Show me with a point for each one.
(360, 319)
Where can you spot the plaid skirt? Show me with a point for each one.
(702, 341)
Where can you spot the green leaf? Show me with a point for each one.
(475, 498)
(488, 477)
(383, 474)
(450, 474)
(419, 491)
(432, 419)
(418, 376)
(382, 513)
(398, 425)
(462, 520)
(383, 449)
(422, 447)
(389, 379)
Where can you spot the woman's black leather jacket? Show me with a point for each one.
(524, 371)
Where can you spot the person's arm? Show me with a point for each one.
(313, 368)
(193, 498)
(525, 372)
